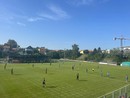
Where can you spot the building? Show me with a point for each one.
(1, 47)
(106, 51)
(81, 51)
(29, 48)
(42, 50)
(6, 48)
(126, 48)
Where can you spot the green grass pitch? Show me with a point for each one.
(26, 81)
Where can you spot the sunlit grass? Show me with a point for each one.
(26, 82)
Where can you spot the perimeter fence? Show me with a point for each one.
(123, 92)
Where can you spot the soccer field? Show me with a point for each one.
(61, 82)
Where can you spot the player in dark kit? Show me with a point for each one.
(33, 65)
(46, 70)
(73, 66)
(44, 83)
(5, 66)
(77, 76)
(12, 72)
(86, 69)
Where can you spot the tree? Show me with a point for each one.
(68, 54)
(96, 55)
(12, 43)
(61, 53)
(116, 56)
(53, 54)
(86, 51)
(99, 50)
(95, 51)
(35, 50)
(1, 51)
(75, 51)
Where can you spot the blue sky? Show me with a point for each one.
(58, 24)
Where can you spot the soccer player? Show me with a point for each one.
(12, 72)
(86, 69)
(33, 65)
(59, 65)
(46, 70)
(5, 66)
(73, 67)
(108, 74)
(101, 73)
(77, 76)
(44, 82)
(126, 78)
(98, 67)
(50, 63)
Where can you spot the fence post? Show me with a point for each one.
(113, 95)
(125, 89)
(120, 93)
(125, 95)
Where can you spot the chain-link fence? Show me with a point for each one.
(123, 92)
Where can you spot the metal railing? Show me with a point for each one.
(123, 92)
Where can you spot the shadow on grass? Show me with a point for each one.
(51, 86)
(17, 74)
(110, 77)
(50, 73)
(113, 77)
(83, 80)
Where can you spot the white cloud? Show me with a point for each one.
(86, 2)
(80, 2)
(48, 16)
(59, 12)
(54, 13)
(11, 17)
(21, 24)
(35, 19)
